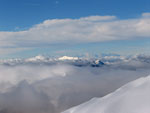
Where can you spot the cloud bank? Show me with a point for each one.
(73, 31)
(41, 87)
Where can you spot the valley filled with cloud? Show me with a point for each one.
(53, 85)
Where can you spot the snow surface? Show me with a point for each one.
(131, 98)
(39, 57)
(68, 58)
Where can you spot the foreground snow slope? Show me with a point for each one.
(131, 98)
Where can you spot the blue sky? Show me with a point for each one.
(23, 15)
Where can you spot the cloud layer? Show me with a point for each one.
(37, 87)
(72, 31)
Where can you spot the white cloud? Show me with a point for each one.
(82, 30)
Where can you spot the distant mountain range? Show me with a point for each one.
(82, 61)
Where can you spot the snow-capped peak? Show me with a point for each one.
(39, 57)
(131, 98)
(68, 58)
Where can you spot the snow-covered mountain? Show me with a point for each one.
(130, 62)
(131, 98)
(68, 58)
(36, 58)
(75, 61)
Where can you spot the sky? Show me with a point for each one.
(74, 27)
